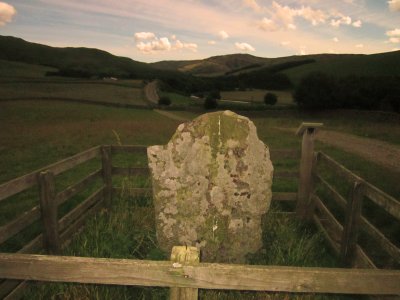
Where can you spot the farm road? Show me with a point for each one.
(382, 153)
(150, 91)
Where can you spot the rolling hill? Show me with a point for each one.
(84, 61)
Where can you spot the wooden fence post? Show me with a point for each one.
(184, 255)
(107, 173)
(49, 207)
(352, 223)
(308, 131)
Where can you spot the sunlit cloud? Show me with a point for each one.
(268, 25)
(211, 42)
(223, 35)
(253, 5)
(360, 46)
(394, 5)
(148, 42)
(335, 39)
(285, 43)
(245, 47)
(142, 36)
(357, 24)
(394, 32)
(7, 12)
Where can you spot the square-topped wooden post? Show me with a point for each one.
(182, 255)
(304, 206)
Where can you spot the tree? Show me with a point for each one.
(316, 91)
(210, 102)
(164, 100)
(270, 98)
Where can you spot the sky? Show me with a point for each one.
(155, 30)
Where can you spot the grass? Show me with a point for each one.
(284, 97)
(36, 134)
(17, 69)
(177, 99)
(127, 230)
(386, 64)
(104, 92)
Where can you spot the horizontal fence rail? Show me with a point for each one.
(24, 182)
(334, 231)
(202, 275)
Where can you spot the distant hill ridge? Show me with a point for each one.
(90, 62)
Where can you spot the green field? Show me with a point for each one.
(257, 96)
(94, 91)
(36, 135)
(385, 64)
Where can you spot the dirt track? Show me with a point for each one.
(150, 91)
(382, 153)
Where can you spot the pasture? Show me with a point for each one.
(40, 132)
(257, 96)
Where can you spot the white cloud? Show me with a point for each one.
(267, 25)
(148, 42)
(189, 46)
(7, 12)
(395, 32)
(394, 40)
(291, 26)
(284, 14)
(223, 35)
(357, 24)
(314, 16)
(359, 46)
(335, 39)
(142, 36)
(396, 49)
(211, 42)
(253, 5)
(285, 43)
(394, 5)
(162, 44)
(342, 20)
(244, 47)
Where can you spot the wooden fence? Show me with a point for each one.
(57, 232)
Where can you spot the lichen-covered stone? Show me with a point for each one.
(211, 185)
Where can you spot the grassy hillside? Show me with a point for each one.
(382, 64)
(212, 66)
(90, 62)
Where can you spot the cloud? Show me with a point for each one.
(244, 47)
(7, 12)
(394, 40)
(142, 36)
(283, 17)
(267, 25)
(394, 5)
(395, 32)
(359, 46)
(189, 46)
(335, 39)
(223, 35)
(285, 43)
(162, 44)
(342, 20)
(253, 5)
(211, 42)
(314, 16)
(357, 24)
(148, 42)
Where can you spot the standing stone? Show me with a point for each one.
(211, 185)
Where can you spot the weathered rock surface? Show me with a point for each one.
(211, 185)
